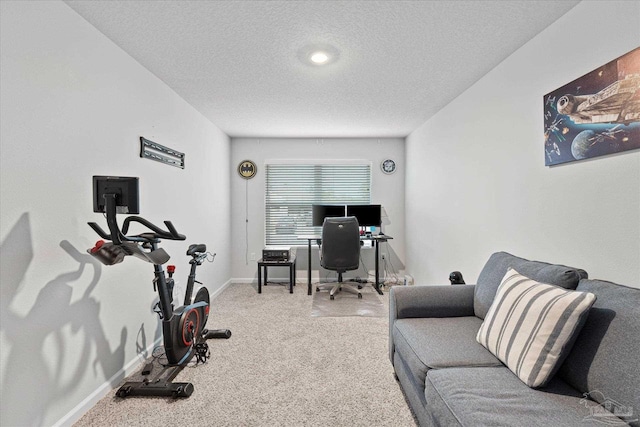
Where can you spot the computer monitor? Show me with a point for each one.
(367, 215)
(124, 188)
(320, 212)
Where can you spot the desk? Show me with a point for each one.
(291, 263)
(376, 240)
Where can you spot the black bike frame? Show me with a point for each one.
(195, 262)
(182, 327)
(163, 290)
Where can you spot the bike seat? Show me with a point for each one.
(193, 249)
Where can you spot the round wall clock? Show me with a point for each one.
(388, 166)
(247, 169)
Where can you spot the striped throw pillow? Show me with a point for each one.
(531, 326)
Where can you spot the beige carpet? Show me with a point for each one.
(281, 367)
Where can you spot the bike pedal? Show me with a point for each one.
(202, 352)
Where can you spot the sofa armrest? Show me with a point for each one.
(428, 301)
(431, 301)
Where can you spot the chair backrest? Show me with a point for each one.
(340, 244)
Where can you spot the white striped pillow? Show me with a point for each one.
(531, 326)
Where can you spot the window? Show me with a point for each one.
(291, 189)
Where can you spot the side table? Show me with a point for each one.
(291, 263)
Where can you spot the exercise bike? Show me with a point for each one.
(183, 327)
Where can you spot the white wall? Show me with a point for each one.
(73, 105)
(476, 180)
(387, 190)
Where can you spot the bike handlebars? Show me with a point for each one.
(157, 232)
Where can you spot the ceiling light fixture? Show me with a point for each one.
(319, 57)
(318, 54)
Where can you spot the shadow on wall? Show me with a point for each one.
(36, 375)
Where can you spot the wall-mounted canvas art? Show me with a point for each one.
(595, 115)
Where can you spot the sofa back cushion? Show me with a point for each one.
(497, 266)
(604, 362)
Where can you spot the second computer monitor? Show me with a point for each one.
(367, 215)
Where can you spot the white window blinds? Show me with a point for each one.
(291, 189)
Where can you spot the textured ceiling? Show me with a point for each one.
(237, 62)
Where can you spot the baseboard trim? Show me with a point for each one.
(105, 388)
(83, 407)
(218, 291)
(244, 280)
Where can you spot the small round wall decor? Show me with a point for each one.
(388, 166)
(247, 169)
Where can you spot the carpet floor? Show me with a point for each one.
(281, 367)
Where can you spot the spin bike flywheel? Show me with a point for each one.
(190, 326)
(193, 319)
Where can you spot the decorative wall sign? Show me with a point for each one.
(596, 114)
(154, 151)
(388, 166)
(247, 169)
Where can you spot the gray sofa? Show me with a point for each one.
(449, 379)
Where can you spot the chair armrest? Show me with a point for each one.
(428, 301)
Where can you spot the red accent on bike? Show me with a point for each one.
(206, 310)
(171, 268)
(189, 329)
(97, 247)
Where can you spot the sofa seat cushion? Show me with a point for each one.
(496, 397)
(433, 343)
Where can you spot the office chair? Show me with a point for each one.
(340, 251)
